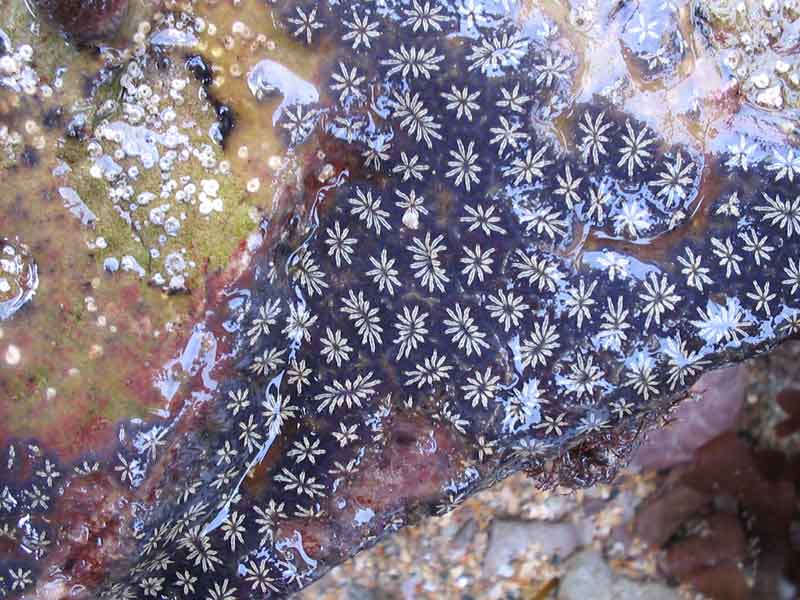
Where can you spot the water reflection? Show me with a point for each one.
(496, 235)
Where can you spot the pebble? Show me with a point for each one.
(693, 422)
(511, 539)
(589, 576)
(627, 589)
(356, 591)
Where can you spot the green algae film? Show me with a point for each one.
(124, 247)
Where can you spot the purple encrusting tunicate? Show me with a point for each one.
(478, 273)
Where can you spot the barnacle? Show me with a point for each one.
(489, 253)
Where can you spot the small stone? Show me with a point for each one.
(627, 589)
(587, 576)
(511, 539)
(713, 408)
(355, 591)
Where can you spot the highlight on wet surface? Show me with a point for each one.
(280, 278)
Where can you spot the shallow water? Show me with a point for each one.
(307, 271)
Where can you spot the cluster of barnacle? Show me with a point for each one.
(440, 279)
(156, 175)
(20, 136)
(753, 39)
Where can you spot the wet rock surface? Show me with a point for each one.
(19, 278)
(633, 524)
(714, 407)
(86, 21)
(485, 253)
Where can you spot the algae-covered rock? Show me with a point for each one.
(86, 20)
(495, 239)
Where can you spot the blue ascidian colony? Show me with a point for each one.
(489, 254)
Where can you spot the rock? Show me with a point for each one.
(725, 543)
(511, 539)
(627, 589)
(587, 576)
(461, 537)
(562, 283)
(714, 409)
(355, 591)
(661, 516)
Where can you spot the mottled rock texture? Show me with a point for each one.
(86, 20)
(499, 246)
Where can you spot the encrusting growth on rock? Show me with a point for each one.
(484, 257)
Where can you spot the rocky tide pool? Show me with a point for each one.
(280, 278)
